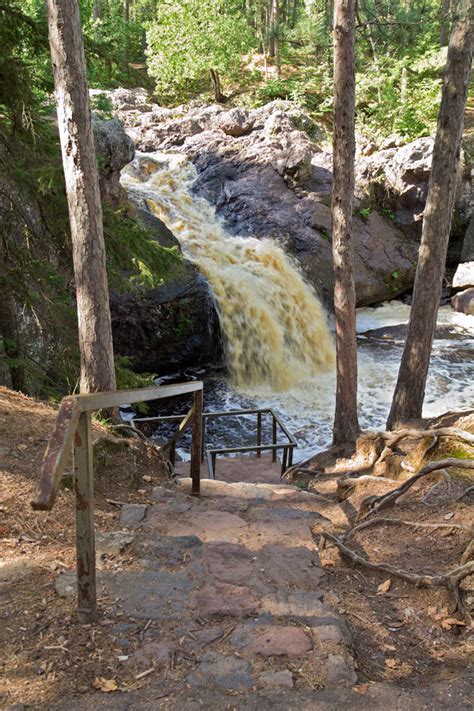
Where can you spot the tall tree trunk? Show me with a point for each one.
(346, 424)
(82, 187)
(9, 330)
(445, 22)
(410, 389)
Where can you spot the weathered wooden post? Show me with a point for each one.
(85, 535)
(196, 444)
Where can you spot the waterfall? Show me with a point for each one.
(274, 327)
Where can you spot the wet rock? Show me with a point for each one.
(277, 679)
(225, 599)
(228, 673)
(112, 543)
(132, 514)
(463, 301)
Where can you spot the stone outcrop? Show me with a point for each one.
(267, 177)
(114, 150)
(172, 326)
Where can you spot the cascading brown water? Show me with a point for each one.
(274, 326)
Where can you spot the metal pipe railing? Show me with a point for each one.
(73, 428)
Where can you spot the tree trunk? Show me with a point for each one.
(9, 330)
(445, 22)
(82, 187)
(346, 424)
(410, 389)
(216, 83)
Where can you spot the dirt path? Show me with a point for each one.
(217, 602)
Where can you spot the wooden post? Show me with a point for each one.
(274, 438)
(284, 460)
(259, 433)
(196, 444)
(85, 537)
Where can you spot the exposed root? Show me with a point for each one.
(394, 437)
(435, 487)
(386, 500)
(469, 490)
(450, 580)
(345, 487)
(396, 521)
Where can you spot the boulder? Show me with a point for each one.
(464, 276)
(173, 326)
(463, 301)
(398, 177)
(267, 177)
(114, 150)
(235, 123)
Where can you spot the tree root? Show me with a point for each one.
(450, 580)
(397, 521)
(465, 493)
(382, 502)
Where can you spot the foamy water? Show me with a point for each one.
(275, 329)
(279, 345)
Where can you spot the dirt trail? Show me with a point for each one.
(218, 602)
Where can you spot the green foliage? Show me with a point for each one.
(189, 37)
(135, 260)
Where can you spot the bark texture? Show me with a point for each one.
(410, 389)
(346, 425)
(82, 187)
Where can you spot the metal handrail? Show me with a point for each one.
(74, 428)
(287, 447)
(210, 454)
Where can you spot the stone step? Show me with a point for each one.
(246, 490)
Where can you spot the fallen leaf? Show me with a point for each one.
(392, 663)
(384, 587)
(432, 610)
(361, 688)
(449, 622)
(105, 685)
(389, 648)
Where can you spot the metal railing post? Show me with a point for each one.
(196, 444)
(203, 438)
(85, 537)
(259, 433)
(274, 437)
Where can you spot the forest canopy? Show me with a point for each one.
(260, 49)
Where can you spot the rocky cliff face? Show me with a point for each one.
(266, 175)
